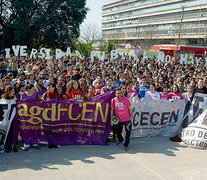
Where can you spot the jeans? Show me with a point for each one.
(128, 128)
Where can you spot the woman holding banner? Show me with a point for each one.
(74, 92)
(8, 94)
(30, 94)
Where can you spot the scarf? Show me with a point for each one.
(52, 95)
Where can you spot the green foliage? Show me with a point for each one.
(110, 45)
(37, 23)
(100, 45)
(84, 48)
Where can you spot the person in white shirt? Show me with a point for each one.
(152, 93)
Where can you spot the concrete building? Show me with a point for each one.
(150, 22)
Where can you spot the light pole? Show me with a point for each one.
(204, 42)
(69, 35)
(179, 32)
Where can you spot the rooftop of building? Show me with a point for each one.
(119, 2)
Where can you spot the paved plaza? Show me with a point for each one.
(147, 158)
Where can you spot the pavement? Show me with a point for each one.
(146, 159)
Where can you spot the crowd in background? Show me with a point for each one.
(80, 79)
(77, 79)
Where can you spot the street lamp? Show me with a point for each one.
(204, 42)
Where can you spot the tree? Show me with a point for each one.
(110, 45)
(90, 32)
(84, 48)
(37, 23)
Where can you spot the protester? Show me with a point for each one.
(51, 93)
(109, 86)
(188, 95)
(61, 95)
(201, 88)
(164, 94)
(72, 78)
(91, 92)
(99, 85)
(152, 94)
(121, 107)
(175, 95)
(30, 94)
(74, 92)
(8, 94)
(130, 92)
(143, 88)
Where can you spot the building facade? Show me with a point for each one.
(150, 22)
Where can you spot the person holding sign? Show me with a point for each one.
(121, 107)
(152, 93)
(8, 94)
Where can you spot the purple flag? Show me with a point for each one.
(64, 122)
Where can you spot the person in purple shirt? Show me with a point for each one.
(30, 94)
(40, 86)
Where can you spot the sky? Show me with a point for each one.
(94, 14)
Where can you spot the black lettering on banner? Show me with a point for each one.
(165, 116)
(185, 116)
(2, 108)
(200, 134)
(192, 142)
(201, 144)
(152, 117)
(196, 110)
(183, 133)
(187, 133)
(185, 122)
(143, 118)
(192, 133)
(2, 136)
(174, 116)
(205, 120)
(13, 106)
(135, 123)
(205, 135)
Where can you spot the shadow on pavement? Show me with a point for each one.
(44, 157)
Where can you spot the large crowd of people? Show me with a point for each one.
(81, 79)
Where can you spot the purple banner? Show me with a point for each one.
(64, 122)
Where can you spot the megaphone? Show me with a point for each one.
(114, 120)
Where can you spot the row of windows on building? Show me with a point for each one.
(155, 32)
(164, 7)
(130, 5)
(191, 25)
(159, 18)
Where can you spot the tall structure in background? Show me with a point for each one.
(150, 22)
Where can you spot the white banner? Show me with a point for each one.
(156, 117)
(7, 114)
(195, 134)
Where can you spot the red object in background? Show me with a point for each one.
(170, 49)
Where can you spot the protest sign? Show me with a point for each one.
(65, 122)
(7, 114)
(156, 117)
(195, 133)
(46, 53)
